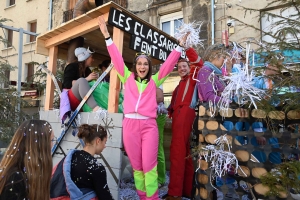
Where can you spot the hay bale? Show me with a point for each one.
(203, 193)
(226, 113)
(212, 125)
(261, 189)
(246, 171)
(200, 124)
(279, 115)
(242, 155)
(257, 113)
(202, 178)
(210, 138)
(257, 172)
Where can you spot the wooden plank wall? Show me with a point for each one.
(112, 153)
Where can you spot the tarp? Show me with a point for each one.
(290, 57)
(101, 96)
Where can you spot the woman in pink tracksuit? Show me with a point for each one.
(140, 133)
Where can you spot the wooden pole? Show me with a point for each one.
(114, 83)
(52, 66)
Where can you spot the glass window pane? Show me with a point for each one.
(177, 24)
(166, 27)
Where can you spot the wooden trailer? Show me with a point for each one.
(130, 34)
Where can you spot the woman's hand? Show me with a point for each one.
(183, 40)
(92, 76)
(103, 27)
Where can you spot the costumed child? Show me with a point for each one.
(140, 133)
(79, 175)
(77, 76)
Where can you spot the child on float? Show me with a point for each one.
(26, 166)
(77, 76)
(140, 133)
(79, 175)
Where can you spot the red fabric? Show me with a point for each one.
(179, 91)
(194, 58)
(61, 198)
(74, 102)
(68, 198)
(182, 169)
(54, 169)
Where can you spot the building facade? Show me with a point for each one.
(225, 15)
(32, 16)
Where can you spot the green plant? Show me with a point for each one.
(282, 178)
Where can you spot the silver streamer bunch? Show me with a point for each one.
(240, 87)
(194, 37)
(221, 158)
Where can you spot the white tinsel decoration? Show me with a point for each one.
(194, 37)
(220, 158)
(240, 86)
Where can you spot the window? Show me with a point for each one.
(273, 24)
(32, 28)
(171, 22)
(30, 72)
(9, 38)
(11, 2)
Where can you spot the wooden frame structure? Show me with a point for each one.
(55, 45)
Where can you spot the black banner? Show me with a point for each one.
(143, 38)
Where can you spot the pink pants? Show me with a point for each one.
(140, 137)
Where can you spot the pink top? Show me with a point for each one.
(139, 96)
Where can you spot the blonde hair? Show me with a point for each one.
(215, 51)
(30, 153)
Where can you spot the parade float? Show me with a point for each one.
(248, 154)
(131, 34)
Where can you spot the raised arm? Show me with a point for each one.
(193, 57)
(168, 66)
(195, 60)
(114, 53)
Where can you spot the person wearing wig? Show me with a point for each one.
(140, 133)
(210, 86)
(182, 112)
(25, 169)
(79, 175)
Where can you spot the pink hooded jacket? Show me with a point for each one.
(140, 97)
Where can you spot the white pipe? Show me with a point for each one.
(212, 21)
(50, 14)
